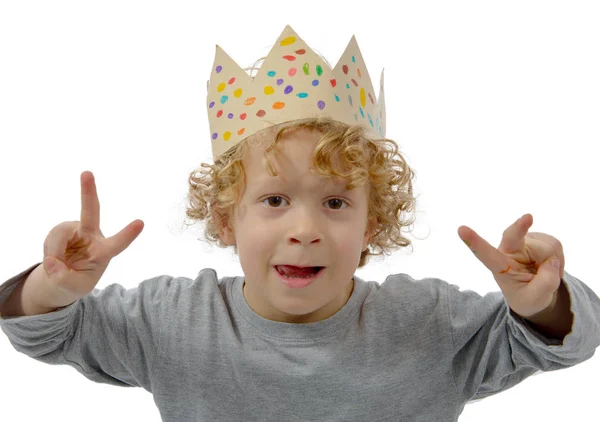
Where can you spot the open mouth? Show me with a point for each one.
(297, 272)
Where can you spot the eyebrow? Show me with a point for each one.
(275, 182)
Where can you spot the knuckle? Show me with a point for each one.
(551, 240)
(556, 244)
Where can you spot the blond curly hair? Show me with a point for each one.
(216, 189)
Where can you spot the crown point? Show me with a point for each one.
(287, 41)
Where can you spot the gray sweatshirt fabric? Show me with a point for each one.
(405, 349)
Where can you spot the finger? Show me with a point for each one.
(90, 206)
(556, 246)
(121, 241)
(492, 258)
(513, 238)
(57, 240)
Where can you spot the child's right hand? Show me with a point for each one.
(76, 254)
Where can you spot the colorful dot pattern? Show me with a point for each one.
(292, 76)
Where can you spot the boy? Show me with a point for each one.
(304, 200)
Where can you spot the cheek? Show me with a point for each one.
(256, 237)
(253, 250)
(349, 242)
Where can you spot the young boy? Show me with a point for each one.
(305, 187)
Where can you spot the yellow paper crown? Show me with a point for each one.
(293, 83)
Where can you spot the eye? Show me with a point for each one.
(338, 201)
(271, 202)
(276, 201)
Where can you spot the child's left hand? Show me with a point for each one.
(522, 265)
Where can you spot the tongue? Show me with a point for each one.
(292, 271)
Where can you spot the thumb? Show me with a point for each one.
(551, 270)
(554, 265)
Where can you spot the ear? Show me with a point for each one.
(227, 235)
(371, 224)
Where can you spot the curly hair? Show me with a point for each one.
(215, 189)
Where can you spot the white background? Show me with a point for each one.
(494, 104)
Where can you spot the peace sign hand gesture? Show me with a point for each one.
(521, 265)
(76, 253)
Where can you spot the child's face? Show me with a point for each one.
(302, 226)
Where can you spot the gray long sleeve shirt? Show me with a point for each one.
(405, 349)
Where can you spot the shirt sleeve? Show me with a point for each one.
(110, 336)
(495, 349)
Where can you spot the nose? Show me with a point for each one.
(304, 228)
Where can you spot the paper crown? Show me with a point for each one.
(293, 83)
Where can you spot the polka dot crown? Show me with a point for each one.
(292, 83)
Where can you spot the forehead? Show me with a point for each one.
(292, 161)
